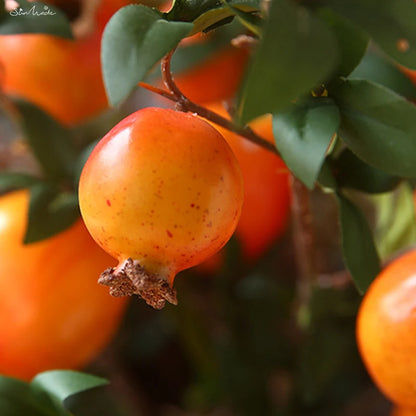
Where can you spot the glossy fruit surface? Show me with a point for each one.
(53, 314)
(61, 76)
(386, 330)
(162, 188)
(266, 208)
(215, 78)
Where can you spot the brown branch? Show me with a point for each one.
(183, 103)
(163, 93)
(304, 242)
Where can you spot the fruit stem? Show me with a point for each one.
(167, 94)
(183, 103)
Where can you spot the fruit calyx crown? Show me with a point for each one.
(133, 279)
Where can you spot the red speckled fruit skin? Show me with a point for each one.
(163, 188)
(386, 331)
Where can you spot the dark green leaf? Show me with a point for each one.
(297, 52)
(390, 23)
(193, 10)
(2, 10)
(35, 17)
(360, 254)
(250, 20)
(303, 136)
(210, 18)
(215, 17)
(395, 232)
(134, 40)
(13, 180)
(326, 177)
(60, 384)
(18, 399)
(189, 10)
(352, 41)
(380, 70)
(378, 125)
(352, 172)
(50, 212)
(50, 142)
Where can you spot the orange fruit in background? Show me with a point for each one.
(53, 314)
(61, 76)
(400, 411)
(215, 78)
(266, 207)
(162, 188)
(386, 330)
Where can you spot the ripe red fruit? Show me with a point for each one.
(161, 192)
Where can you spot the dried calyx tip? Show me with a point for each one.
(133, 279)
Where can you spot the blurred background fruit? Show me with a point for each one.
(61, 76)
(266, 208)
(386, 327)
(53, 313)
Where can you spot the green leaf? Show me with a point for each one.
(50, 212)
(297, 52)
(303, 136)
(2, 9)
(194, 10)
(377, 68)
(134, 40)
(378, 125)
(13, 180)
(352, 172)
(360, 254)
(189, 10)
(211, 18)
(352, 41)
(18, 399)
(390, 23)
(35, 17)
(50, 142)
(61, 384)
(395, 221)
(326, 177)
(250, 20)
